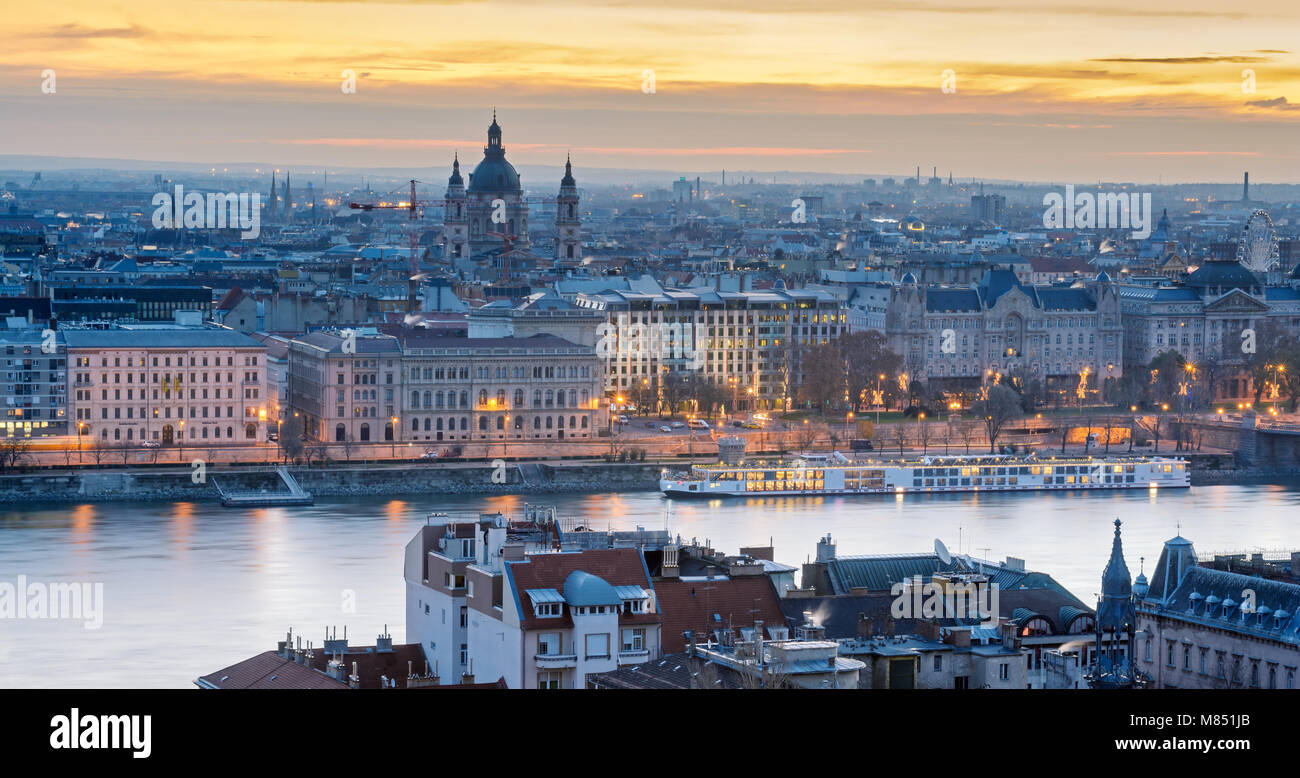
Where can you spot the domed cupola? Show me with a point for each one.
(1140, 587)
(494, 175)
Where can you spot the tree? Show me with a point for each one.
(13, 453)
(966, 431)
(290, 442)
(823, 377)
(866, 358)
(806, 435)
(1000, 406)
(1165, 372)
(900, 435)
(349, 446)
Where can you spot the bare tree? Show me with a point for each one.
(900, 435)
(349, 446)
(97, 450)
(1001, 406)
(966, 431)
(13, 453)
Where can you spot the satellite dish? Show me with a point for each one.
(941, 551)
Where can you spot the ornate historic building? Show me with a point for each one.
(490, 215)
(957, 337)
(1202, 628)
(1209, 318)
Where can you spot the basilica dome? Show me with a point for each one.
(494, 175)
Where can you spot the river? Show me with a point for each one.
(190, 588)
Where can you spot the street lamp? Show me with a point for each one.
(180, 442)
(394, 439)
(920, 420)
(81, 427)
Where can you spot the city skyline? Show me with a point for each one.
(830, 88)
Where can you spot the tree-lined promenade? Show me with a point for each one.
(992, 426)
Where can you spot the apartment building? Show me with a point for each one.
(748, 343)
(481, 605)
(167, 384)
(35, 383)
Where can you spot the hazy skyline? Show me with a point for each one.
(1066, 92)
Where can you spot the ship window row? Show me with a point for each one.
(771, 475)
(934, 472)
(780, 486)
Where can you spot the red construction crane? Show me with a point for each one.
(508, 240)
(415, 208)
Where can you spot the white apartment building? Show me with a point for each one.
(480, 606)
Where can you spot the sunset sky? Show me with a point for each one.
(1044, 91)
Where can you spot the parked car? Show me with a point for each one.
(273, 436)
(665, 428)
(651, 424)
(622, 420)
(737, 423)
(149, 444)
(752, 425)
(430, 454)
(677, 425)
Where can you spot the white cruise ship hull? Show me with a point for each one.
(930, 475)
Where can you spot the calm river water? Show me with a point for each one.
(190, 588)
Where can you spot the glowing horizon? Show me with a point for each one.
(1041, 92)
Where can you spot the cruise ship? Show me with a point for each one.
(836, 474)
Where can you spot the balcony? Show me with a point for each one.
(633, 657)
(556, 661)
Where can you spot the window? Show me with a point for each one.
(548, 680)
(1004, 671)
(548, 609)
(938, 663)
(634, 639)
(598, 646)
(549, 644)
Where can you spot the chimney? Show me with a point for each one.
(512, 552)
(866, 627)
(354, 680)
(384, 643)
(1245, 186)
(468, 676)
(690, 640)
(758, 640)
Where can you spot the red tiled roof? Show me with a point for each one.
(691, 605)
(617, 566)
(269, 670)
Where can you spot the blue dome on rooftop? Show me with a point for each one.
(582, 588)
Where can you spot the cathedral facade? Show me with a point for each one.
(488, 215)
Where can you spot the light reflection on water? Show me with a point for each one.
(193, 587)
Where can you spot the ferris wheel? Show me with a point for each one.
(1257, 246)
